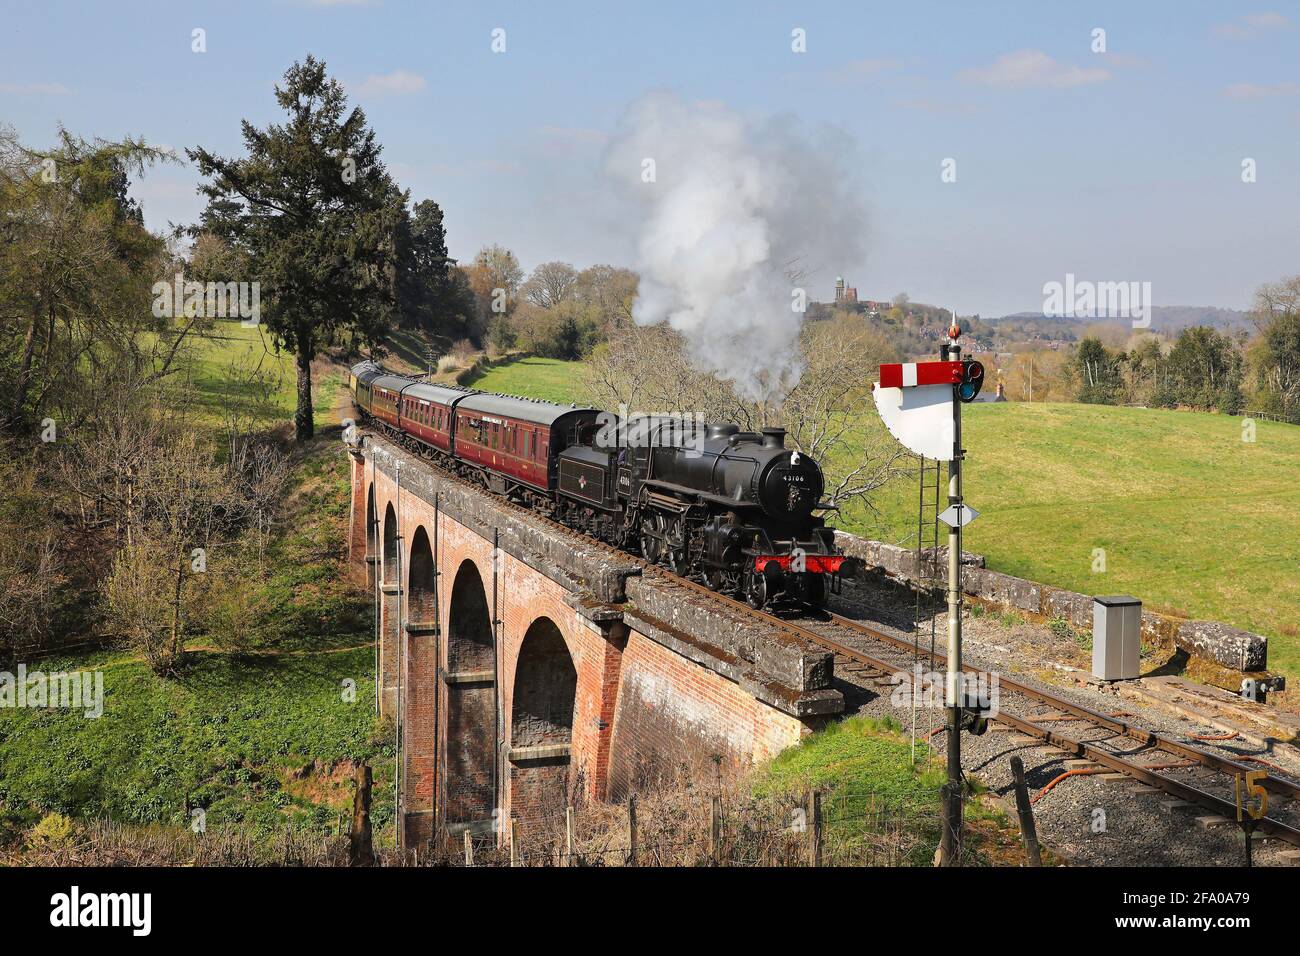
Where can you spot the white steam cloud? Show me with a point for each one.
(734, 209)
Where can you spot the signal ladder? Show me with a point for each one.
(929, 583)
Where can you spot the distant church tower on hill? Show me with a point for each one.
(843, 295)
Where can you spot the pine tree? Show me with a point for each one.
(316, 212)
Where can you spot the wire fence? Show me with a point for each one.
(841, 827)
(1292, 418)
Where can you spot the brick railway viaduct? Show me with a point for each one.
(529, 667)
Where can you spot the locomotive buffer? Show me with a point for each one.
(920, 403)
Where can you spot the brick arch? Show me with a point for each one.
(471, 748)
(546, 683)
(470, 646)
(541, 722)
(420, 688)
(391, 553)
(421, 601)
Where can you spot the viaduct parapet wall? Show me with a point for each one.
(1227, 646)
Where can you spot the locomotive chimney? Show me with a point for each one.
(773, 437)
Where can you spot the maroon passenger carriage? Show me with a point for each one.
(516, 441)
(508, 444)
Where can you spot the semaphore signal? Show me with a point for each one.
(920, 403)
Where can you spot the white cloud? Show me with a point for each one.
(1257, 91)
(33, 89)
(1033, 68)
(397, 83)
(1252, 24)
(1127, 60)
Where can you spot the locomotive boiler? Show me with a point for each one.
(736, 509)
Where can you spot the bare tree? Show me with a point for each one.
(183, 507)
(30, 569)
(831, 416)
(609, 291)
(827, 410)
(550, 284)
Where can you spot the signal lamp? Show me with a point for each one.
(972, 379)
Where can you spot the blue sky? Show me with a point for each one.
(1123, 165)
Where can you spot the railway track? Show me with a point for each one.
(1210, 770)
(1108, 741)
(831, 631)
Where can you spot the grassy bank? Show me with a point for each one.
(237, 368)
(878, 807)
(262, 739)
(258, 739)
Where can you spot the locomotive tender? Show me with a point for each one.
(735, 509)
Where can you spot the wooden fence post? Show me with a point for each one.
(361, 850)
(1026, 812)
(514, 842)
(568, 837)
(715, 830)
(631, 830)
(814, 827)
(469, 849)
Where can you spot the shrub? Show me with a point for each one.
(54, 832)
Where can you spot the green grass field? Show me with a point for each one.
(1190, 517)
(872, 788)
(231, 358)
(551, 380)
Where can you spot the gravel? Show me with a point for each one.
(1087, 819)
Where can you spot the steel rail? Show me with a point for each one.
(1183, 791)
(1081, 748)
(1146, 737)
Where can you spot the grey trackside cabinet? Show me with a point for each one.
(1116, 637)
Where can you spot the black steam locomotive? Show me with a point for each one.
(734, 509)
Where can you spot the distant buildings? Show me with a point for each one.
(847, 297)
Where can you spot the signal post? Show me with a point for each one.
(950, 841)
(920, 404)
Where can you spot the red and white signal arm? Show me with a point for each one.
(915, 401)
